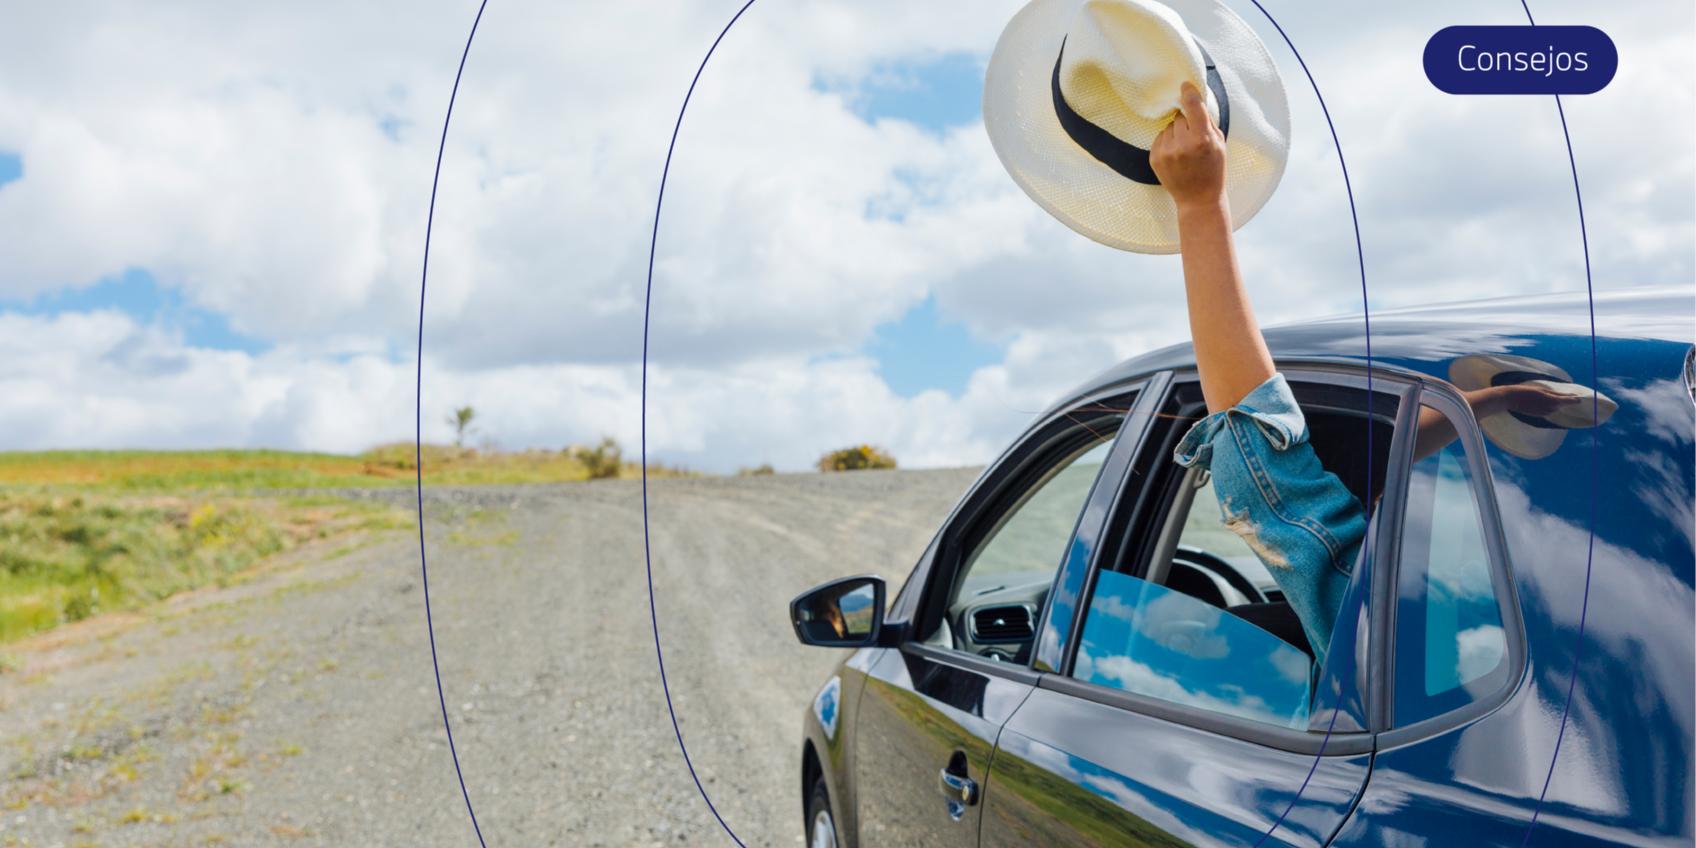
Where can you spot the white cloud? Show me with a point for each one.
(272, 162)
(1144, 679)
(1480, 650)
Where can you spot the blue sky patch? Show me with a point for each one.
(935, 93)
(11, 167)
(137, 294)
(925, 351)
(391, 125)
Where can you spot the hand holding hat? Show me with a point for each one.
(1189, 155)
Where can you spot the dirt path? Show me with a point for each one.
(299, 708)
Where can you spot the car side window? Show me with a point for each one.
(1032, 536)
(1188, 612)
(1011, 551)
(1151, 640)
(1451, 647)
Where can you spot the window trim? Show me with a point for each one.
(1384, 536)
(971, 662)
(1448, 400)
(1389, 380)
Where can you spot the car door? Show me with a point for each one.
(1174, 715)
(932, 707)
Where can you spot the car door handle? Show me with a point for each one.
(958, 788)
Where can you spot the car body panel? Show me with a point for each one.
(1150, 782)
(919, 713)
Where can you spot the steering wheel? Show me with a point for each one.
(1216, 564)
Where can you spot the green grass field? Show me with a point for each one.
(66, 556)
(87, 532)
(250, 470)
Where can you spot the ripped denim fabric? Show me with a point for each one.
(1303, 523)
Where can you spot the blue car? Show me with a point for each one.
(1089, 654)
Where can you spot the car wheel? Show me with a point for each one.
(821, 828)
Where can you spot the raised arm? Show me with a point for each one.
(1230, 354)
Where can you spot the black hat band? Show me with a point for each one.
(1126, 159)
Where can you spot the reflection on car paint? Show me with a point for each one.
(1103, 776)
(826, 704)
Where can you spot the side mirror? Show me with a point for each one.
(846, 613)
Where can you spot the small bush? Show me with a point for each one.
(857, 458)
(79, 607)
(603, 461)
(764, 469)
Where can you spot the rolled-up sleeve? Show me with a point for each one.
(1298, 518)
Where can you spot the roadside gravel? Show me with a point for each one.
(299, 708)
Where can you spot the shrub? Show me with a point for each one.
(764, 469)
(856, 458)
(603, 461)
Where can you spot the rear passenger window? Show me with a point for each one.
(1451, 647)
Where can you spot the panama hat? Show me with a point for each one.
(1077, 90)
(1530, 436)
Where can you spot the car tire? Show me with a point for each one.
(821, 824)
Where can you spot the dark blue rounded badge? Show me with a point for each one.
(1520, 60)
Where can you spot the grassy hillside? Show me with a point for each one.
(68, 556)
(249, 470)
(86, 532)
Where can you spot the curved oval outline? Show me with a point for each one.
(418, 427)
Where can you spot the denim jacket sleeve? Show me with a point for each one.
(1302, 522)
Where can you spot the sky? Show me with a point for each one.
(212, 219)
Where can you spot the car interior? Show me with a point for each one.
(1182, 538)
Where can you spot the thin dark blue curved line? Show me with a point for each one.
(1595, 466)
(647, 549)
(646, 310)
(1366, 316)
(418, 428)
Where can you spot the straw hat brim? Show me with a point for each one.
(1088, 196)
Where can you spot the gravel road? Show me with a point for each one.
(298, 708)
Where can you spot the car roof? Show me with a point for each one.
(1426, 337)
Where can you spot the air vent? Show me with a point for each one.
(1001, 624)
